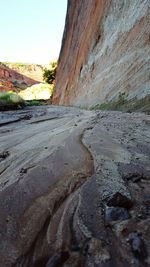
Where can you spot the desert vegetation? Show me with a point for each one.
(122, 103)
(10, 100)
(16, 91)
(112, 105)
(37, 92)
(49, 74)
(42, 91)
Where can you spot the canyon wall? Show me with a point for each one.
(105, 52)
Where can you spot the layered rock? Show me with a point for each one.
(74, 188)
(105, 52)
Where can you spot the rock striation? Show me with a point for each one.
(74, 188)
(105, 52)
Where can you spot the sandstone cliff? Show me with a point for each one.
(105, 52)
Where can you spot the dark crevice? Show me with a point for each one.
(43, 120)
(48, 258)
(57, 260)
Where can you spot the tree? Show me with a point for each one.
(50, 74)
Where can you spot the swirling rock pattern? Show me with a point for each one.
(74, 188)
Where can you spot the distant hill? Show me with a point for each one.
(18, 76)
(33, 71)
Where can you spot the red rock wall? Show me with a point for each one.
(105, 50)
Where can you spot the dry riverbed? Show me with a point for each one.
(74, 188)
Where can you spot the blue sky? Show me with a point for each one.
(31, 30)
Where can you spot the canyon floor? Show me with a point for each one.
(74, 188)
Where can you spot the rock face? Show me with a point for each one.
(74, 188)
(105, 52)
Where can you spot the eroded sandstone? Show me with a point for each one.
(74, 188)
(105, 53)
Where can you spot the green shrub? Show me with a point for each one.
(34, 103)
(112, 105)
(37, 92)
(124, 104)
(10, 99)
(50, 74)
